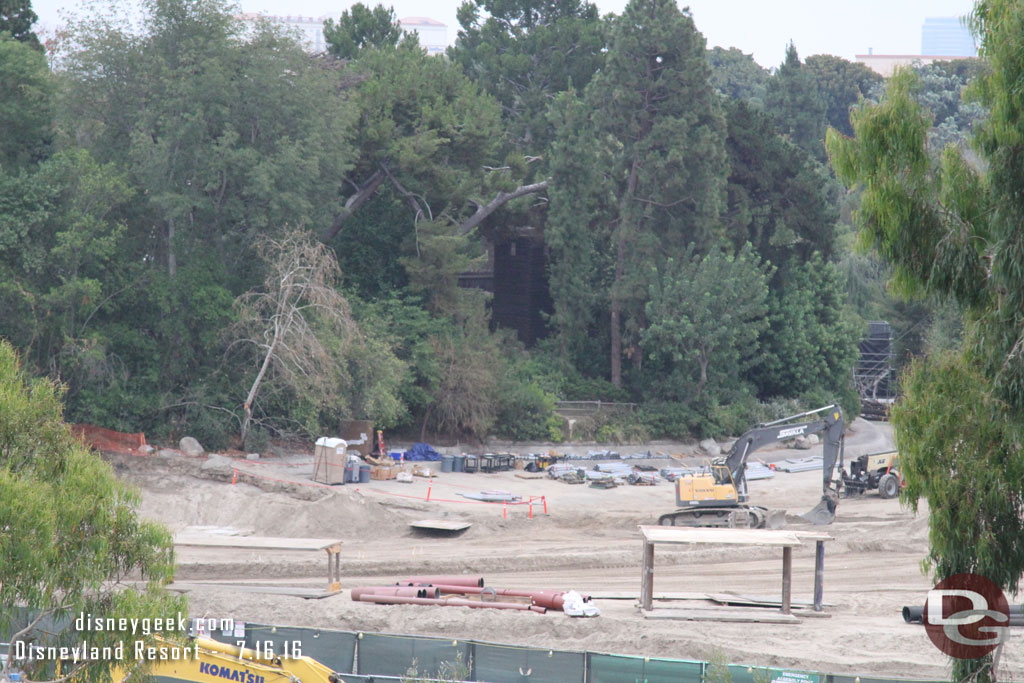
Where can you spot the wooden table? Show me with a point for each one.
(783, 538)
(332, 547)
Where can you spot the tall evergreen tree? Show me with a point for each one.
(797, 106)
(524, 53)
(16, 18)
(655, 108)
(26, 114)
(360, 28)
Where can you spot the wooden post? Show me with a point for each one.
(787, 577)
(819, 574)
(647, 577)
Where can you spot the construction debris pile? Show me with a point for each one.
(462, 591)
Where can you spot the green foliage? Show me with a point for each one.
(672, 420)
(656, 120)
(579, 388)
(779, 199)
(942, 89)
(705, 316)
(811, 343)
(578, 236)
(526, 412)
(954, 231)
(360, 28)
(841, 84)
(737, 76)
(524, 53)
(25, 108)
(71, 530)
(795, 101)
(61, 268)
(959, 455)
(16, 18)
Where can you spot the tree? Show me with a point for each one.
(16, 18)
(524, 53)
(578, 236)
(779, 199)
(306, 338)
(26, 116)
(954, 231)
(737, 76)
(62, 273)
(841, 84)
(360, 28)
(705, 316)
(657, 112)
(71, 539)
(226, 132)
(794, 100)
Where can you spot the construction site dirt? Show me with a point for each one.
(587, 541)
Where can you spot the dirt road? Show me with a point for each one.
(588, 541)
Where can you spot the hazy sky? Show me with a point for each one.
(761, 27)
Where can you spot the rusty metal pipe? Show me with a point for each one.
(544, 598)
(401, 591)
(444, 580)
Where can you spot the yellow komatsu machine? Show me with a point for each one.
(204, 660)
(719, 498)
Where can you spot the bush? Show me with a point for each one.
(667, 420)
(579, 388)
(527, 413)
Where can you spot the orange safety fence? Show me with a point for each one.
(108, 440)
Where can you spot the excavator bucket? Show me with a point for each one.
(824, 512)
(775, 519)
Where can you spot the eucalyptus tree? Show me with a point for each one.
(951, 229)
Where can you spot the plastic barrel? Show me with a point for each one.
(352, 472)
(459, 464)
(364, 474)
(446, 462)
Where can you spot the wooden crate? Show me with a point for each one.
(380, 473)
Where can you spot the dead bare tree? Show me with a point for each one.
(291, 317)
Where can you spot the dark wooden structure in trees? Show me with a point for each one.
(518, 280)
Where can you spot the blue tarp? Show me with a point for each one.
(422, 451)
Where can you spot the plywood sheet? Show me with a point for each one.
(255, 542)
(440, 525)
(759, 616)
(294, 591)
(767, 537)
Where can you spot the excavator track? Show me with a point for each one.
(732, 517)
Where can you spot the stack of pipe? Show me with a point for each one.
(450, 590)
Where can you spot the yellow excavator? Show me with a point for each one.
(719, 497)
(204, 660)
